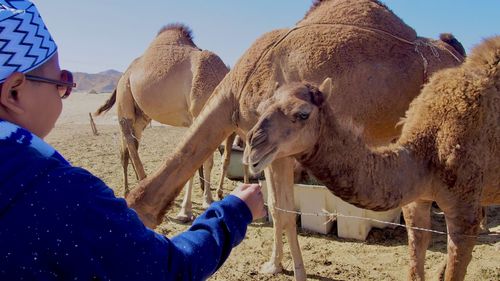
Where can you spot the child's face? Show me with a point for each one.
(41, 101)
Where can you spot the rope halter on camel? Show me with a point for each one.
(418, 44)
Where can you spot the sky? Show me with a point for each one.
(97, 35)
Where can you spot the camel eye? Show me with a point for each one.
(302, 115)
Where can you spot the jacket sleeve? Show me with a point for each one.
(114, 236)
(208, 242)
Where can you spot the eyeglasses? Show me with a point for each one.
(64, 86)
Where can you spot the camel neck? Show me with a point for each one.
(376, 179)
(156, 193)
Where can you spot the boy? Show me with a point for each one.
(59, 222)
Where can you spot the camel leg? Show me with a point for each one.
(279, 177)
(128, 151)
(124, 157)
(273, 266)
(207, 171)
(226, 158)
(186, 212)
(132, 142)
(483, 226)
(140, 124)
(417, 214)
(246, 174)
(291, 233)
(462, 220)
(200, 174)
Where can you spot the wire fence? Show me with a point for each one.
(334, 215)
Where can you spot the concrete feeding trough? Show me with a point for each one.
(358, 228)
(235, 169)
(314, 199)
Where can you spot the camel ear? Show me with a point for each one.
(276, 86)
(326, 87)
(317, 97)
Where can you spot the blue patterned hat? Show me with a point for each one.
(25, 42)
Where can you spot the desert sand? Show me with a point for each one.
(327, 257)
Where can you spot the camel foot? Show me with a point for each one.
(184, 217)
(220, 195)
(483, 229)
(441, 272)
(271, 268)
(300, 275)
(207, 203)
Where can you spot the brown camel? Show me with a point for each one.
(169, 83)
(378, 63)
(448, 152)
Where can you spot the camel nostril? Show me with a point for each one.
(258, 138)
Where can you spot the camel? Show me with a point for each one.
(169, 83)
(378, 63)
(448, 152)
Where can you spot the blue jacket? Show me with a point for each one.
(59, 222)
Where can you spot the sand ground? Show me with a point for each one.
(327, 257)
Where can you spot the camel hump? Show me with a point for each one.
(486, 54)
(361, 13)
(182, 29)
(213, 62)
(315, 4)
(449, 39)
(208, 70)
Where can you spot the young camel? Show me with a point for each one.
(169, 83)
(379, 65)
(448, 152)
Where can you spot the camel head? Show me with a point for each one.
(288, 124)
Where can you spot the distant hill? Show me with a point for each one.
(102, 82)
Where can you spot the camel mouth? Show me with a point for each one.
(257, 164)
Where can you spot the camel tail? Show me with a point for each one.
(449, 39)
(106, 106)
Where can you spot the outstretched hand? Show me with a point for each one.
(251, 194)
